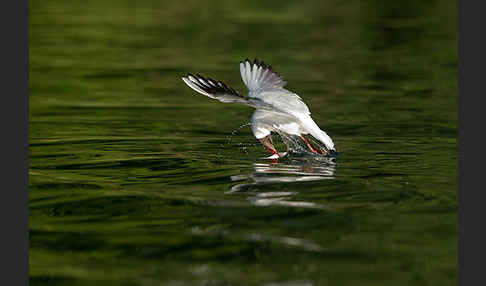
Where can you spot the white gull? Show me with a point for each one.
(277, 109)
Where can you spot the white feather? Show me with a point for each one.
(243, 73)
(248, 73)
(195, 87)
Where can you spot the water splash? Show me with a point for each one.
(229, 141)
(296, 146)
(289, 146)
(243, 146)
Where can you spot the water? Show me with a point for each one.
(137, 180)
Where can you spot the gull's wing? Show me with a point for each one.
(267, 85)
(257, 77)
(214, 89)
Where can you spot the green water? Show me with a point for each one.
(137, 180)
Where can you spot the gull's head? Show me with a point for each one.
(332, 153)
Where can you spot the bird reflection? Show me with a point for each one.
(293, 170)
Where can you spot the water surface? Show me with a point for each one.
(137, 180)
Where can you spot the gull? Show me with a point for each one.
(277, 109)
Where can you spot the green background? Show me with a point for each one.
(130, 169)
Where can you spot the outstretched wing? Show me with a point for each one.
(213, 89)
(267, 85)
(257, 76)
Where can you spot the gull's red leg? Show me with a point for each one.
(314, 148)
(272, 151)
(319, 150)
(268, 144)
(308, 144)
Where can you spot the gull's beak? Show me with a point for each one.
(332, 153)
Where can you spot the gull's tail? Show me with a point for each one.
(214, 89)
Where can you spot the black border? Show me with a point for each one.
(472, 202)
(15, 143)
(14, 123)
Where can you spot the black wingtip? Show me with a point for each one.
(199, 76)
(211, 81)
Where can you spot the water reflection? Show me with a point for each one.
(292, 170)
(300, 243)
